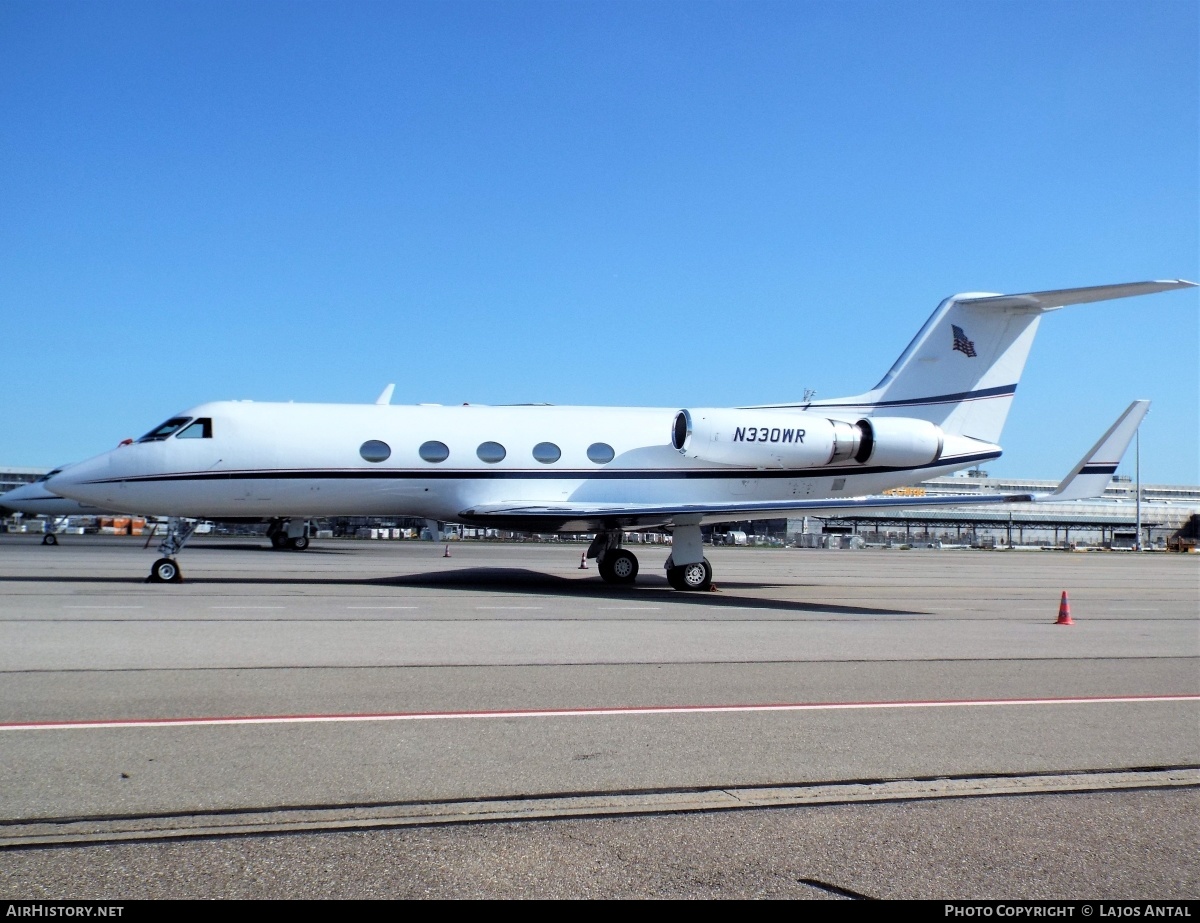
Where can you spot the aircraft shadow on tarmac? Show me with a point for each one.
(255, 546)
(648, 588)
(517, 580)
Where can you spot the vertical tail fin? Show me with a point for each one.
(962, 369)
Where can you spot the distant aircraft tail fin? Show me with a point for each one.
(962, 369)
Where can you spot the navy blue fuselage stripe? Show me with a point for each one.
(1098, 469)
(382, 474)
(1000, 391)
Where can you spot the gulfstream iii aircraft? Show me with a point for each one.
(611, 470)
(34, 499)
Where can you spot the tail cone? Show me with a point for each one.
(1064, 611)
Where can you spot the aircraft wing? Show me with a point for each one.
(1095, 470)
(588, 517)
(1087, 479)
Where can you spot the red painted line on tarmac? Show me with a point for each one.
(573, 712)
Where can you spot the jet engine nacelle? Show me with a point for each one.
(781, 439)
(901, 442)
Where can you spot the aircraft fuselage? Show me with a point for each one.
(319, 460)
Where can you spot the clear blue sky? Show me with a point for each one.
(655, 203)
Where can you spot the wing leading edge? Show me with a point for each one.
(1088, 479)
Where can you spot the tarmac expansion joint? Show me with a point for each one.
(32, 833)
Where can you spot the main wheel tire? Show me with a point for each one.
(278, 540)
(165, 571)
(695, 576)
(299, 543)
(622, 566)
(50, 539)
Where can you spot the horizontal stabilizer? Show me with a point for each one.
(1048, 301)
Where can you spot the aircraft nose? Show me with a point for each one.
(20, 498)
(86, 480)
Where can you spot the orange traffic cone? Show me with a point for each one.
(1064, 611)
(447, 554)
(583, 561)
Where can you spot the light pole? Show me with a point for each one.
(1137, 467)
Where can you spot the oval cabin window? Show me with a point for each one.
(546, 452)
(434, 451)
(600, 452)
(375, 451)
(491, 452)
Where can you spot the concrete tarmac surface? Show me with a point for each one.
(376, 719)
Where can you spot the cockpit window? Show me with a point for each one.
(160, 433)
(200, 429)
(48, 475)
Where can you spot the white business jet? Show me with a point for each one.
(611, 470)
(35, 499)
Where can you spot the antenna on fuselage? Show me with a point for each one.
(385, 396)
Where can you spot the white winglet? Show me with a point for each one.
(1092, 475)
(385, 396)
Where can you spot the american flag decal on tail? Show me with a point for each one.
(961, 343)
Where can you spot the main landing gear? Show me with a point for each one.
(616, 565)
(694, 576)
(619, 566)
(290, 534)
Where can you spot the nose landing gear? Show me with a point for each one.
(52, 526)
(165, 570)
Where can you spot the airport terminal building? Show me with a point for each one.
(11, 478)
(1111, 520)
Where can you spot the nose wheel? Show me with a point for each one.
(50, 539)
(165, 570)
